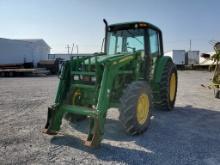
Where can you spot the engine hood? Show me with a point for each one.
(106, 58)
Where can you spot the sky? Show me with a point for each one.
(63, 22)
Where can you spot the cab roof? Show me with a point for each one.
(132, 25)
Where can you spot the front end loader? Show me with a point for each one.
(132, 74)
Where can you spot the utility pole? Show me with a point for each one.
(72, 49)
(68, 48)
(190, 45)
(77, 49)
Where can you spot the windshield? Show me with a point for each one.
(125, 41)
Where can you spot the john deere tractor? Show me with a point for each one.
(132, 74)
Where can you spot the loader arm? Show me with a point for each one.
(96, 115)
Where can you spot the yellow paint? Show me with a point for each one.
(142, 25)
(75, 94)
(142, 111)
(126, 59)
(172, 86)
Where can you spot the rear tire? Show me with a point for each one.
(168, 88)
(135, 108)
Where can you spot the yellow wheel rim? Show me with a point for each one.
(142, 109)
(172, 86)
(75, 95)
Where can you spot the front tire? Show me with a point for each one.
(136, 106)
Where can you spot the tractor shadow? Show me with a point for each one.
(181, 135)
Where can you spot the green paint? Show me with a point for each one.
(99, 81)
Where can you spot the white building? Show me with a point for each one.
(204, 61)
(192, 57)
(14, 51)
(178, 56)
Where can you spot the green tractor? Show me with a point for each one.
(132, 74)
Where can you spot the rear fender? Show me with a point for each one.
(160, 65)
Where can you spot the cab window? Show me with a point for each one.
(154, 42)
(125, 41)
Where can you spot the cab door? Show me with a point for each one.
(155, 46)
(153, 50)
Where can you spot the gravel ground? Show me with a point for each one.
(188, 135)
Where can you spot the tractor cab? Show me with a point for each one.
(128, 38)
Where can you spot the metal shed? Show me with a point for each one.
(192, 57)
(20, 51)
(178, 56)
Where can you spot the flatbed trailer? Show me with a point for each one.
(22, 72)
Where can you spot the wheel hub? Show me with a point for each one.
(142, 108)
(172, 86)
